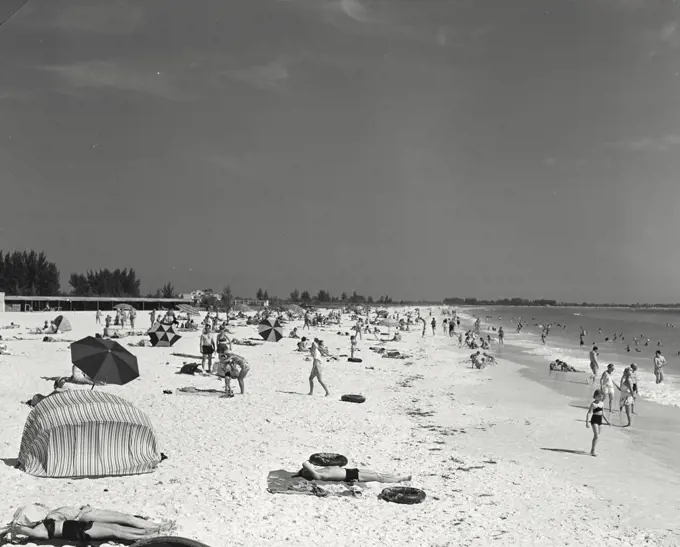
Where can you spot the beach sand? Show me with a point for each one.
(497, 453)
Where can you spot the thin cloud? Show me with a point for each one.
(105, 74)
(354, 9)
(647, 144)
(109, 18)
(269, 76)
(549, 161)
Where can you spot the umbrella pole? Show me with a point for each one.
(92, 385)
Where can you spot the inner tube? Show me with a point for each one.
(328, 459)
(168, 541)
(353, 398)
(354, 360)
(403, 494)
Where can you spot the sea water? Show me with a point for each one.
(563, 341)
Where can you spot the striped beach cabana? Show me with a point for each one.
(87, 433)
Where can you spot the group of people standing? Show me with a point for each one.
(230, 365)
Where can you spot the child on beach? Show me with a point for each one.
(594, 418)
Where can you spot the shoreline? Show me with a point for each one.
(485, 445)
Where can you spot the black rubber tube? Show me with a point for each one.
(403, 494)
(328, 459)
(354, 360)
(353, 398)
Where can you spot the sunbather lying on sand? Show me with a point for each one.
(12, 325)
(81, 524)
(237, 342)
(341, 474)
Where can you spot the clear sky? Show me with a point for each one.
(416, 148)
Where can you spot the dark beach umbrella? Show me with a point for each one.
(270, 330)
(163, 335)
(104, 360)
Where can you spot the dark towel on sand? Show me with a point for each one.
(283, 482)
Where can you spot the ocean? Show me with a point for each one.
(599, 324)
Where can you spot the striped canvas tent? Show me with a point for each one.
(87, 433)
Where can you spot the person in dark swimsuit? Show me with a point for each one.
(595, 416)
(90, 524)
(340, 474)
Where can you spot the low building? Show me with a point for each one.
(85, 303)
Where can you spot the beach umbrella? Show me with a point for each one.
(62, 323)
(125, 307)
(388, 323)
(104, 360)
(294, 308)
(168, 541)
(162, 335)
(270, 330)
(189, 310)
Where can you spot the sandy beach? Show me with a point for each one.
(496, 452)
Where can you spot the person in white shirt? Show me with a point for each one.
(659, 362)
(317, 368)
(607, 385)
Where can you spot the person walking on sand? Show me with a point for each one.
(594, 418)
(607, 385)
(98, 317)
(594, 365)
(434, 326)
(353, 346)
(317, 368)
(659, 363)
(207, 348)
(501, 336)
(152, 317)
(133, 316)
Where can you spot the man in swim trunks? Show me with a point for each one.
(594, 365)
(341, 474)
(607, 385)
(659, 362)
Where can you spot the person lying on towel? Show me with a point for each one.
(341, 474)
(84, 524)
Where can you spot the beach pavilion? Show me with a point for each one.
(86, 303)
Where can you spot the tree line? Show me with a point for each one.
(323, 296)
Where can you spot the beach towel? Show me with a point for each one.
(202, 392)
(283, 482)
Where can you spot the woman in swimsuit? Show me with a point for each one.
(239, 369)
(607, 385)
(82, 524)
(340, 474)
(627, 395)
(223, 341)
(595, 416)
(207, 348)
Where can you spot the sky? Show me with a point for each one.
(416, 149)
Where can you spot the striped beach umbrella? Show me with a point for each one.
(270, 330)
(104, 360)
(162, 335)
(62, 323)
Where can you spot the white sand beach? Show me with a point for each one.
(490, 448)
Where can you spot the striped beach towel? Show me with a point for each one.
(81, 433)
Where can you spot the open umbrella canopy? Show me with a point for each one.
(104, 360)
(123, 307)
(294, 308)
(388, 323)
(189, 310)
(62, 323)
(270, 330)
(162, 335)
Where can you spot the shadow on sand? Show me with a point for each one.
(10, 462)
(568, 451)
(291, 392)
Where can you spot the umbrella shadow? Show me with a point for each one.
(290, 392)
(10, 462)
(568, 451)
